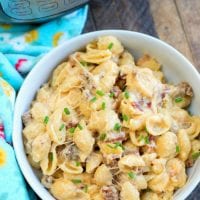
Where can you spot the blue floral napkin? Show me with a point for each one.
(21, 46)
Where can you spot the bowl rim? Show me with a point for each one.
(19, 150)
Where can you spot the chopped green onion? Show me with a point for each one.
(66, 111)
(72, 129)
(117, 127)
(80, 127)
(93, 99)
(61, 127)
(83, 63)
(76, 181)
(177, 149)
(141, 138)
(146, 130)
(85, 189)
(51, 156)
(178, 99)
(78, 163)
(146, 139)
(102, 136)
(110, 46)
(125, 117)
(195, 155)
(111, 95)
(103, 106)
(116, 145)
(100, 93)
(131, 175)
(126, 94)
(109, 145)
(46, 119)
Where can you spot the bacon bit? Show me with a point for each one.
(116, 91)
(136, 105)
(163, 95)
(131, 151)
(149, 104)
(152, 138)
(116, 137)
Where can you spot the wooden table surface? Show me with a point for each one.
(175, 21)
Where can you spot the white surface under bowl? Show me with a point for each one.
(175, 66)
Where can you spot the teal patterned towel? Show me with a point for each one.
(21, 46)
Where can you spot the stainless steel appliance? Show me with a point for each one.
(34, 11)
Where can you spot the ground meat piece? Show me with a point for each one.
(189, 162)
(26, 118)
(110, 193)
(72, 152)
(121, 82)
(185, 88)
(182, 90)
(72, 124)
(69, 152)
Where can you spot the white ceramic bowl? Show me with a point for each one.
(175, 66)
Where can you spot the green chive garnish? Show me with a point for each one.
(117, 127)
(146, 139)
(116, 145)
(72, 129)
(126, 94)
(85, 189)
(76, 181)
(103, 106)
(80, 127)
(125, 117)
(100, 93)
(195, 155)
(146, 129)
(111, 95)
(51, 156)
(141, 138)
(102, 136)
(61, 127)
(66, 111)
(93, 99)
(177, 149)
(46, 119)
(110, 46)
(131, 175)
(83, 63)
(78, 163)
(178, 99)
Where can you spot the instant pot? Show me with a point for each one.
(33, 11)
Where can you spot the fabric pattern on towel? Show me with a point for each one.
(21, 47)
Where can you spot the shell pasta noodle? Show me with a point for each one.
(108, 126)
